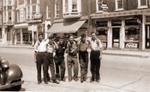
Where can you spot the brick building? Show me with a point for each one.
(124, 25)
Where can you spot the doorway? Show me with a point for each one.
(147, 37)
(115, 37)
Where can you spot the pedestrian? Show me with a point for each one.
(72, 63)
(95, 57)
(83, 57)
(41, 61)
(59, 60)
(50, 57)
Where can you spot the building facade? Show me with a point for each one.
(125, 24)
(121, 24)
(7, 21)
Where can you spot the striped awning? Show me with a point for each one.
(66, 27)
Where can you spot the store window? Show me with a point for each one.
(142, 4)
(101, 29)
(132, 37)
(119, 5)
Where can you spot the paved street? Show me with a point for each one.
(118, 74)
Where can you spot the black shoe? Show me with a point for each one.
(62, 79)
(54, 81)
(82, 81)
(46, 82)
(97, 81)
(39, 82)
(92, 80)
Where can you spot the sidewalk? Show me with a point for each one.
(133, 53)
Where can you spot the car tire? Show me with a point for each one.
(16, 88)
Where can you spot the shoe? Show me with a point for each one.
(62, 79)
(39, 82)
(46, 82)
(92, 80)
(97, 81)
(54, 81)
(82, 81)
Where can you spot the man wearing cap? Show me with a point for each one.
(72, 50)
(95, 57)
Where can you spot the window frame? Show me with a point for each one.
(142, 6)
(57, 9)
(68, 9)
(117, 6)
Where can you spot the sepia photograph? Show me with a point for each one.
(75, 45)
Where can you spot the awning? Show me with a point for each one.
(66, 27)
(23, 25)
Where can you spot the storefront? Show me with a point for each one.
(124, 30)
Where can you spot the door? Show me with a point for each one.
(116, 37)
(147, 37)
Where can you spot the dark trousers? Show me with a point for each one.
(83, 59)
(51, 65)
(41, 61)
(72, 63)
(60, 67)
(95, 65)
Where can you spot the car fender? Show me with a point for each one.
(14, 73)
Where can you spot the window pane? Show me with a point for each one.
(57, 9)
(120, 4)
(74, 5)
(99, 4)
(0, 33)
(143, 2)
(66, 6)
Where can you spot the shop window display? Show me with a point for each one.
(132, 38)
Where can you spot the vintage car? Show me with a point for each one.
(10, 76)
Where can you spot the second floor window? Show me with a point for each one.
(119, 4)
(72, 6)
(142, 4)
(57, 9)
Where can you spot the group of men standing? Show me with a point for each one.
(50, 53)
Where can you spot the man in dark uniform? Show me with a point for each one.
(83, 57)
(72, 50)
(59, 60)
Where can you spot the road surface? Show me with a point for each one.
(118, 74)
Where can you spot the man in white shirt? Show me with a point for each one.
(95, 57)
(40, 53)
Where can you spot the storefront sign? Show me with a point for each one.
(131, 45)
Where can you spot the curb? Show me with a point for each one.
(126, 54)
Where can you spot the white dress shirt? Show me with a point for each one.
(41, 46)
(96, 45)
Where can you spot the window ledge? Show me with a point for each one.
(141, 7)
(121, 9)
